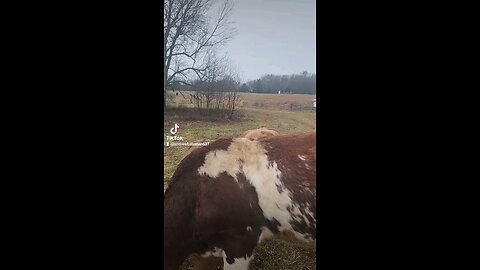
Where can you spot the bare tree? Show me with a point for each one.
(217, 92)
(189, 35)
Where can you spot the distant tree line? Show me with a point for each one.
(303, 83)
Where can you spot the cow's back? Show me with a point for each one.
(225, 197)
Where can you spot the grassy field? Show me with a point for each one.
(271, 101)
(275, 254)
(283, 101)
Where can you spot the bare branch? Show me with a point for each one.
(188, 35)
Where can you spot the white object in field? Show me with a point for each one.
(314, 102)
(279, 92)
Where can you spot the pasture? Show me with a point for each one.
(254, 100)
(271, 111)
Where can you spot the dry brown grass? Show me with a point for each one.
(282, 101)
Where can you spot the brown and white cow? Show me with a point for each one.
(227, 197)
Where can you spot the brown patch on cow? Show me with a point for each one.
(260, 133)
(196, 160)
(223, 215)
(192, 148)
(180, 202)
(201, 214)
(295, 157)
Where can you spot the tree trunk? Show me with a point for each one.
(165, 74)
(164, 91)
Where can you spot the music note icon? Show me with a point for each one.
(174, 129)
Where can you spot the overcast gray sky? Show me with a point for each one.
(274, 37)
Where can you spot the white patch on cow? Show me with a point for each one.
(265, 234)
(217, 252)
(219, 161)
(302, 237)
(249, 157)
(302, 157)
(249, 229)
(238, 264)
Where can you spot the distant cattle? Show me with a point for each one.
(227, 197)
